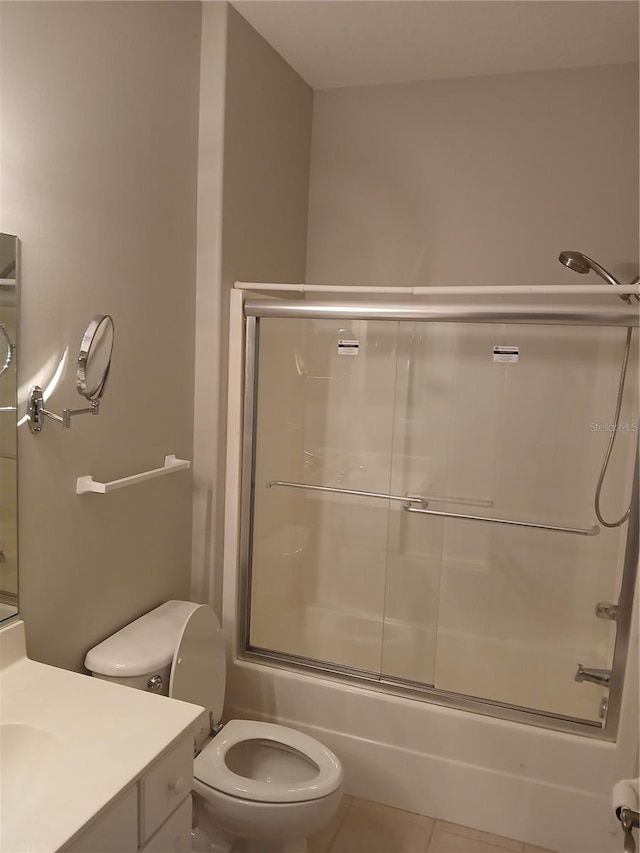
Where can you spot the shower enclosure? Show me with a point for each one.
(418, 503)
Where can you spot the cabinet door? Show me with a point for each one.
(174, 836)
(116, 831)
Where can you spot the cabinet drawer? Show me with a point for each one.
(165, 786)
(174, 836)
(116, 831)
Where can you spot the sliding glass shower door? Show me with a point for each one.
(422, 506)
(322, 486)
(506, 424)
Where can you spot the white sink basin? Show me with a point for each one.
(28, 756)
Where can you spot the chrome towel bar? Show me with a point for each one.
(356, 492)
(423, 501)
(580, 531)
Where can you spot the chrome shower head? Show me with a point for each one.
(575, 261)
(578, 262)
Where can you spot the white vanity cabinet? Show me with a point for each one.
(153, 815)
(109, 769)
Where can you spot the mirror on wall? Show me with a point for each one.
(8, 426)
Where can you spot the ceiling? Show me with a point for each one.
(334, 43)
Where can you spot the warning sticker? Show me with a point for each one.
(350, 347)
(505, 354)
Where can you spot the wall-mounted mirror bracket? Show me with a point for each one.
(94, 361)
(37, 412)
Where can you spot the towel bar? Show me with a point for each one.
(88, 484)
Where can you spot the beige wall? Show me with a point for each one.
(475, 181)
(98, 171)
(267, 135)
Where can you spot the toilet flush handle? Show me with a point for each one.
(178, 786)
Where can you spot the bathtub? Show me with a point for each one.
(543, 787)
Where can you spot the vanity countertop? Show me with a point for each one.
(70, 744)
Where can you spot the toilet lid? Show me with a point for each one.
(198, 670)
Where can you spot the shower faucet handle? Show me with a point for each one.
(607, 610)
(595, 676)
(629, 821)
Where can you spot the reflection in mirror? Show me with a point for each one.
(8, 422)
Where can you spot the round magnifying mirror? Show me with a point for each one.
(94, 359)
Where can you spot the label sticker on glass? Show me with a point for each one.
(505, 354)
(349, 347)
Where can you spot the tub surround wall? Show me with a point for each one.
(98, 176)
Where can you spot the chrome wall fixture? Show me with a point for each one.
(92, 372)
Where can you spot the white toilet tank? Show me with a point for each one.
(176, 650)
(140, 655)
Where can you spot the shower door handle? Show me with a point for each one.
(581, 531)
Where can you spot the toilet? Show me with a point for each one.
(258, 787)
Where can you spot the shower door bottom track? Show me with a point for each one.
(425, 693)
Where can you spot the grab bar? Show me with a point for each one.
(580, 531)
(423, 500)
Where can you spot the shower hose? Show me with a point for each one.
(612, 441)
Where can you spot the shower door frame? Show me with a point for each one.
(451, 313)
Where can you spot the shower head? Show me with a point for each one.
(575, 261)
(578, 262)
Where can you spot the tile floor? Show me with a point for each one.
(365, 827)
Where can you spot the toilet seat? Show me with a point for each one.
(211, 769)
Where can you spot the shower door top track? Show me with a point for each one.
(548, 315)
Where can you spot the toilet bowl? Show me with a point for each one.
(257, 786)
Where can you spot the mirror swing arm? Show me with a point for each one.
(94, 362)
(37, 412)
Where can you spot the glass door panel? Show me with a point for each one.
(323, 437)
(524, 440)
